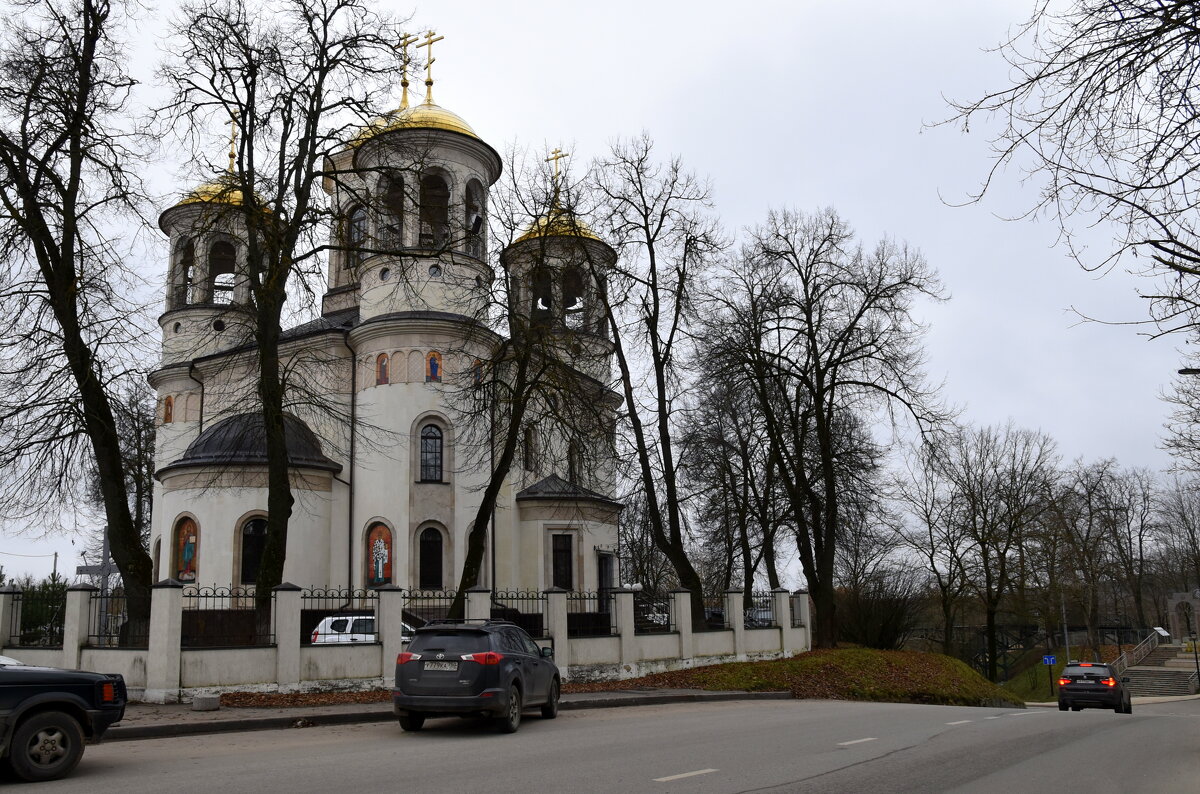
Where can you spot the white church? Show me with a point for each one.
(386, 488)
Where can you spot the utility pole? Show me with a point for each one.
(54, 573)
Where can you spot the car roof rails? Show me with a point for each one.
(468, 622)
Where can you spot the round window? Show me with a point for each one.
(178, 327)
(435, 271)
(385, 273)
(479, 281)
(218, 325)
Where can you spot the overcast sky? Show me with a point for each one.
(808, 104)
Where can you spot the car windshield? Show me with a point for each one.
(450, 641)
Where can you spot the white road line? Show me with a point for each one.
(959, 722)
(685, 774)
(991, 718)
(856, 741)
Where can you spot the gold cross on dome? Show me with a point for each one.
(430, 38)
(233, 131)
(554, 157)
(405, 60)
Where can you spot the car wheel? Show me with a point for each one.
(1062, 706)
(46, 746)
(1129, 708)
(412, 722)
(1075, 708)
(511, 719)
(550, 710)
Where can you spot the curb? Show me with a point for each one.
(300, 719)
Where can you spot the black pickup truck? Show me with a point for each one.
(47, 714)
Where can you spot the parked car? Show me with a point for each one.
(48, 714)
(489, 668)
(8, 660)
(1087, 685)
(351, 628)
(759, 617)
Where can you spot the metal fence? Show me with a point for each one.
(423, 606)
(652, 613)
(118, 621)
(590, 614)
(41, 621)
(331, 616)
(227, 617)
(715, 618)
(526, 609)
(760, 611)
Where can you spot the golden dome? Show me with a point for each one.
(425, 116)
(222, 190)
(557, 223)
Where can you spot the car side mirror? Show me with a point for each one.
(547, 652)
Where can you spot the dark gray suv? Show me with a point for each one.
(1085, 685)
(488, 669)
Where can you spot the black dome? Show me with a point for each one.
(241, 440)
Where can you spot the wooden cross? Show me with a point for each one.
(554, 157)
(430, 38)
(405, 59)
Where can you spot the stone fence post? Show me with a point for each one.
(10, 614)
(479, 603)
(166, 633)
(75, 623)
(735, 614)
(791, 639)
(286, 606)
(801, 604)
(681, 606)
(625, 627)
(390, 625)
(556, 629)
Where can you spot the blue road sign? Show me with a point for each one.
(1047, 660)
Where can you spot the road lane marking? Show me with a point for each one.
(991, 718)
(959, 722)
(857, 741)
(669, 778)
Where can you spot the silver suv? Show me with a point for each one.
(351, 628)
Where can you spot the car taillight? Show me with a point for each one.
(316, 633)
(406, 656)
(1064, 681)
(490, 657)
(108, 693)
(1109, 681)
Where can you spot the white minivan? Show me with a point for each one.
(351, 628)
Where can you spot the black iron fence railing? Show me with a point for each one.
(760, 611)
(794, 608)
(331, 616)
(423, 606)
(591, 614)
(227, 617)
(118, 621)
(652, 613)
(715, 618)
(526, 609)
(41, 621)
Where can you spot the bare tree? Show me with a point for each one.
(1002, 477)
(1134, 533)
(300, 79)
(71, 329)
(830, 343)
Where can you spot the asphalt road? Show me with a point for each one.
(711, 747)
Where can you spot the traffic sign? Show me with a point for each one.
(1047, 660)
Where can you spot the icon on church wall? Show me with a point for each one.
(434, 372)
(186, 536)
(379, 556)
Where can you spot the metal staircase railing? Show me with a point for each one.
(1135, 656)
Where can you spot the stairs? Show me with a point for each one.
(1167, 670)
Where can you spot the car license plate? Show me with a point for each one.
(448, 666)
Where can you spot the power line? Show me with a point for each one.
(14, 554)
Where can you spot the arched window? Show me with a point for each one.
(431, 453)
(379, 555)
(574, 462)
(477, 373)
(543, 297)
(168, 409)
(475, 220)
(381, 369)
(356, 236)
(433, 368)
(393, 210)
(429, 575)
(435, 212)
(186, 552)
(254, 540)
(573, 305)
(222, 258)
(187, 271)
(156, 560)
(530, 449)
